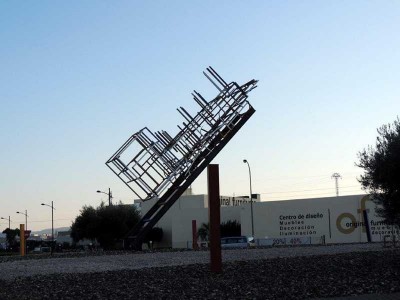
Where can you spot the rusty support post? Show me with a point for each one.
(22, 240)
(195, 246)
(214, 218)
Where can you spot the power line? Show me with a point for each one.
(313, 195)
(39, 221)
(321, 189)
(308, 195)
(303, 177)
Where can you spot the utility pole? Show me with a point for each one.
(26, 218)
(9, 227)
(52, 227)
(251, 201)
(52, 224)
(336, 176)
(109, 194)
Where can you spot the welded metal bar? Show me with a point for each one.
(164, 165)
(216, 78)
(216, 74)
(124, 181)
(208, 77)
(183, 182)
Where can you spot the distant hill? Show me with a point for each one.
(48, 230)
(44, 231)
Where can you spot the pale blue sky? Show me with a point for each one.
(77, 78)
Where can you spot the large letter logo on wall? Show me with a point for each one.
(352, 218)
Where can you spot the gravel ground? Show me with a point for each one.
(273, 273)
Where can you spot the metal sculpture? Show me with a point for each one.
(155, 165)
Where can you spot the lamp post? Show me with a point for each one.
(9, 221)
(26, 218)
(109, 196)
(251, 200)
(9, 227)
(52, 224)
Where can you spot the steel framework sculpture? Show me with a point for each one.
(155, 165)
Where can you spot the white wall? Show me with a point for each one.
(177, 222)
(175, 218)
(339, 219)
(182, 223)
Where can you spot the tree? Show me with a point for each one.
(106, 224)
(85, 225)
(10, 237)
(114, 223)
(230, 228)
(381, 176)
(203, 231)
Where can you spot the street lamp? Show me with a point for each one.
(9, 221)
(109, 195)
(26, 218)
(9, 227)
(52, 224)
(251, 200)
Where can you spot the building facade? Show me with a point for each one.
(335, 219)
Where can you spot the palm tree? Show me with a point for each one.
(204, 231)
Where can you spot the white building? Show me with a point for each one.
(337, 219)
(64, 237)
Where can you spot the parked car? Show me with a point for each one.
(41, 249)
(234, 242)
